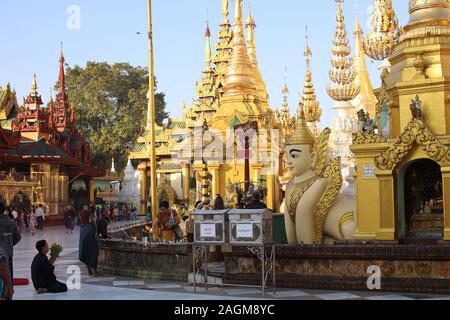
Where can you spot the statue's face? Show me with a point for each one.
(299, 159)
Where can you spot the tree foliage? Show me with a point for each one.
(111, 102)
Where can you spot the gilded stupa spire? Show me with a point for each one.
(309, 99)
(223, 48)
(239, 78)
(205, 90)
(261, 89)
(366, 97)
(284, 116)
(342, 74)
(285, 92)
(383, 34)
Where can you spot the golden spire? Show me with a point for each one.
(366, 94)
(239, 77)
(34, 86)
(309, 99)
(208, 46)
(383, 35)
(302, 135)
(284, 116)
(261, 89)
(342, 75)
(223, 49)
(205, 91)
(285, 92)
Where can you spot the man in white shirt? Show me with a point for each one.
(40, 217)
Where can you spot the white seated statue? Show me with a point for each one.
(315, 211)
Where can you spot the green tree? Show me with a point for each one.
(111, 107)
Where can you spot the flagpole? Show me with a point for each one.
(151, 119)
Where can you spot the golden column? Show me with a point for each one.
(186, 176)
(446, 193)
(151, 119)
(143, 186)
(214, 169)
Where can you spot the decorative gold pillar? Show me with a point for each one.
(446, 193)
(186, 177)
(387, 208)
(143, 186)
(257, 172)
(214, 169)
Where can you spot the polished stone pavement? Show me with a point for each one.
(107, 287)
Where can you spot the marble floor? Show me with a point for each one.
(108, 287)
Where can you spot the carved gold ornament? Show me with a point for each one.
(367, 138)
(333, 173)
(321, 147)
(415, 132)
(297, 194)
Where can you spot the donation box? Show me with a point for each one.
(250, 226)
(209, 226)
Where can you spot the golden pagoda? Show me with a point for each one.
(396, 200)
(231, 94)
(309, 102)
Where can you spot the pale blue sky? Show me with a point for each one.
(32, 31)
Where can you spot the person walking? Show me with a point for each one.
(69, 218)
(9, 235)
(88, 246)
(40, 217)
(32, 221)
(21, 221)
(84, 216)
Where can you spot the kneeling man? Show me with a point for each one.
(42, 271)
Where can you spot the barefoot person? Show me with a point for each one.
(43, 271)
(88, 248)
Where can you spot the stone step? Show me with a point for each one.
(212, 280)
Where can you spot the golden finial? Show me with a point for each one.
(302, 135)
(239, 76)
(342, 74)
(310, 104)
(366, 97)
(225, 10)
(261, 89)
(208, 45)
(384, 32)
(285, 90)
(34, 86)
